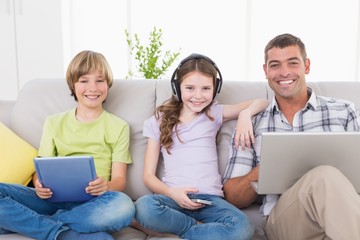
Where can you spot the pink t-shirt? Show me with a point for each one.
(192, 162)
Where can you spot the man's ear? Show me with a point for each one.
(265, 69)
(307, 66)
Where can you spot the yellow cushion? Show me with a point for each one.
(16, 158)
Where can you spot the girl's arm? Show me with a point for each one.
(150, 164)
(244, 111)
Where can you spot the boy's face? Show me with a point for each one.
(91, 90)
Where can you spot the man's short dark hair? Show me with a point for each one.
(285, 40)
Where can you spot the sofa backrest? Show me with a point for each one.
(135, 101)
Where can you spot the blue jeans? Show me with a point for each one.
(22, 211)
(221, 220)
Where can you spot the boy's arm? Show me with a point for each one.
(118, 177)
(117, 182)
(121, 158)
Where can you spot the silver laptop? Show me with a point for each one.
(286, 156)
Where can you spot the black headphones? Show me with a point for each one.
(175, 85)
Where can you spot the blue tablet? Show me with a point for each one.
(67, 177)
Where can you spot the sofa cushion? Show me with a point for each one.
(16, 158)
(38, 99)
(134, 101)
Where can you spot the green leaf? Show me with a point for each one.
(151, 62)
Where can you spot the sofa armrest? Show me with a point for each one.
(6, 107)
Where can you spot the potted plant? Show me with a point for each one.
(151, 62)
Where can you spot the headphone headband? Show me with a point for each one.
(175, 85)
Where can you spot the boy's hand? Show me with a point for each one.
(97, 187)
(41, 192)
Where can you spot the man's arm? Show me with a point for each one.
(238, 190)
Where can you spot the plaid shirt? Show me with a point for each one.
(321, 114)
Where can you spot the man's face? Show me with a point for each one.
(285, 71)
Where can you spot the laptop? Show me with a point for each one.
(67, 177)
(286, 156)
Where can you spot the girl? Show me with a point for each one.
(184, 130)
(87, 130)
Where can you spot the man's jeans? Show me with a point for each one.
(221, 220)
(22, 211)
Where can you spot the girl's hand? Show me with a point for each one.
(180, 197)
(41, 192)
(97, 187)
(244, 135)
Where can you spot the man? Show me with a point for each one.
(322, 204)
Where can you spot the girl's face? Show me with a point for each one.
(197, 91)
(91, 90)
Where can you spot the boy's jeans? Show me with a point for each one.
(22, 211)
(221, 220)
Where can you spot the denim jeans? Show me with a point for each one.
(22, 211)
(221, 220)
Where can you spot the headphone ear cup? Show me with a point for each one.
(218, 86)
(175, 86)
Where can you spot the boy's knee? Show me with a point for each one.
(117, 213)
(120, 204)
(125, 204)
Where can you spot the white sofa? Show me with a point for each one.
(135, 101)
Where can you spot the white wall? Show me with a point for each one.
(232, 32)
(329, 29)
(31, 44)
(99, 25)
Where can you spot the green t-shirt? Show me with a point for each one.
(106, 139)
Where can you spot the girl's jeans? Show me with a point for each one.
(221, 220)
(22, 211)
